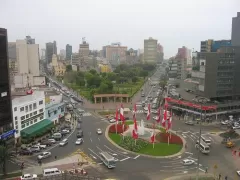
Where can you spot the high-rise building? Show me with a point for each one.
(5, 92)
(49, 52)
(30, 40)
(84, 48)
(182, 52)
(115, 53)
(55, 47)
(236, 30)
(27, 58)
(62, 54)
(68, 52)
(160, 53)
(150, 51)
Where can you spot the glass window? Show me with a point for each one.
(34, 105)
(26, 108)
(62, 109)
(55, 112)
(31, 114)
(41, 118)
(16, 127)
(35, 120)
(35, 112)
(15, 109)
(21, 109)
(31, 122)
(16, 122)
(23, 125)
(27, 116)
(27, 123)
(30, 107)
(15, 118)
(41, 110)
(41, 102)
(23, 117)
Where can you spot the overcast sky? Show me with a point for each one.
(174, 23)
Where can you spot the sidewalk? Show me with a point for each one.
(62, 164)
(190, 176)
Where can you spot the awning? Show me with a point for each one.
(38, 128)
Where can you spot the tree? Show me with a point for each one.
(134, 79)
(93, 71)
(4, 157)
(69, 68)
(162, 84)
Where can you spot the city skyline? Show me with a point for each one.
(169, 24)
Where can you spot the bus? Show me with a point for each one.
(206, 140)
(204, 148)
(108, 160)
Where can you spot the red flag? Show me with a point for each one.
(134, 134)
(122, 114)
(164, 118)
(148, 113)
(152, 138)
(159, 115)
(135, 124)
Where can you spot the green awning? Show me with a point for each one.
(38, 128)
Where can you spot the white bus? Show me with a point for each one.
(204, 148)
(108, 160)
(206, 140)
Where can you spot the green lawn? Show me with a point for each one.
(160, 149)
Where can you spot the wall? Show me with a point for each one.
(33, 59)
(39, 80)
(54, 112)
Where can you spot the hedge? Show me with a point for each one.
(112, 128)
(163, 138)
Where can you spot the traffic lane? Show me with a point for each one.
(11, 167)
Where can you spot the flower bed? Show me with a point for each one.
(118, 128)
(129, 144)
(163, 138)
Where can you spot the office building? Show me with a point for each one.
(236, 30)
(150, 50)
(160, 53)
(30, 40)
(75, 60)
(62, 54)
(217, 74)
(213, 46)
(27, 58)
(84, 48)
(116, 53)
(51, 48)
(6, 126)
(68, 52)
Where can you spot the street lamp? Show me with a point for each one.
(201, 101)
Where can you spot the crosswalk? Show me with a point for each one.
(87, 114)
(194, 136)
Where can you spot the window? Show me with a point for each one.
(62, 109)
(15, 109)
(23, 125)
(16, 127)
(34, 105)
(15, 118)
(27, 116)
(27, 123)
(26, 108)
(41, 102)
(35, 120)
(41, 118)
(30, 107)
(31, 114)
(23, 117)
(35, 112)
(31, 122)
(21, 109)
(16, 122)
(17, 131)
(55, 112)
(41, 110)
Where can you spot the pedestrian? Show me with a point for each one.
(55, 157)
(219, 177)
(206, 170)
(226, 177)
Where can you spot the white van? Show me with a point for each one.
(51, 172)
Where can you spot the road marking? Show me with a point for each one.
(94, 153)
(124, 159)
(115, 151)
(192, 158)
(201, 170)
(189, 153)
(100, 163)
(136, 157)
(185, 132)
(93, 156)
(91, 139)
(99, 139)
(99, 149)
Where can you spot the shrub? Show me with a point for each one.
(118, 127)
(129, 144)
(163, 137)
(230, 134)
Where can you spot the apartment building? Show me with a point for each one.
(150, 50)
(115, 53)
(28, 111)
(68, 52)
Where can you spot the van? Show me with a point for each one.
(57, 136)
(78, 126)
(51, 172)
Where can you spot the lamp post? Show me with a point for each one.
(201, 101)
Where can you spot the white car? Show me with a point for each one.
(112, 120)
(42, 146)
(225, 122)
(238, 173)
(155, 117)
(65, 131)
(187, 162)
(145, 108)
(28, 176)
(79, 141)
(154, 111)
(99, 131)
(63, 143)
(44, 155)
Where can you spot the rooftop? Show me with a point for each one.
(27, 98)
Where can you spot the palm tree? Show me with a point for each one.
(4, 157)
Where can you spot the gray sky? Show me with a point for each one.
(173, 22)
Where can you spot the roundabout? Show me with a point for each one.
(164, 144)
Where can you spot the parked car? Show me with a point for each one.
(26, 152)
(35, 149)
(79, 141)
(53, 141)
(42, 146)
(44, 155)
(28, 176)
(63, 142)
(65, 131)
(47, 143)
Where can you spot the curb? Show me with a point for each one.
(144, 155)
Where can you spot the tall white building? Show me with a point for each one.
(27, 111)
(27, 58)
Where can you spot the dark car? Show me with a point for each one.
(26, 152)
(80, 134)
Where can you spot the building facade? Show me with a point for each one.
(27, 58)
(5, 92)
(68, 52)
(30, 40)
(235, 30)
(116, 53)
(213, 46)
(51, 48)
(27, 111)
(150, 51)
